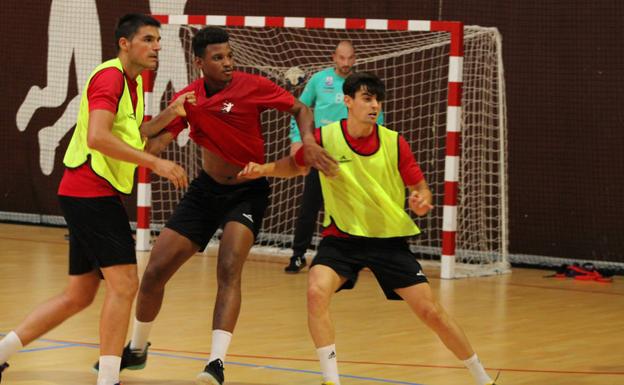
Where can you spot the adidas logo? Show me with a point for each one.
(331, 355)
(248, 216)
(344, 159)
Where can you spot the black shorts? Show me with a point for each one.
(391, 260)
(208, 205)
(99, 233)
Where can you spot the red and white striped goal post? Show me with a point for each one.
(453, 116)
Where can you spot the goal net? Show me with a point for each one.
(415, 68)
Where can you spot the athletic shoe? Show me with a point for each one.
(2, 367)
(327, 383)
(212, 374)
(296, 264)
(130, 359)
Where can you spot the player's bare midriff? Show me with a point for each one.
(220, 170)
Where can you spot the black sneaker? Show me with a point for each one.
(130, 359)
(212, 374)
(2, 367)
(296, 264)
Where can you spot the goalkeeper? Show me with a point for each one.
(324, 94)
(366, 224)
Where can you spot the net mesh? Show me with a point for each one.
(414, 66)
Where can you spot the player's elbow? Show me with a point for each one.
(94, 140)
(300, 110)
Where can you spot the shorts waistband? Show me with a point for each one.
(204, 178)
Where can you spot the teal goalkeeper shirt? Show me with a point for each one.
(324, 94)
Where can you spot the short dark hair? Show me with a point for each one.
(206, 36)
(129, 24)
(366, 80)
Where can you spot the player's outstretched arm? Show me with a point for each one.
(285, 167)
(420, 198)
(154, 126)
(100, 137)
(314, 155)
(156, 144)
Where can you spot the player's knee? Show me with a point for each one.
(76, 301)
(154, 278)
(124, 287)
(151, 279)
(318, 298)
(431, 314)
(229, 270)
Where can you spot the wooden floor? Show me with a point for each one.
(533, 330)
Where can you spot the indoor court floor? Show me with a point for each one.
(529, 329)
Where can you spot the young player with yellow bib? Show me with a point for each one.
(366, 224)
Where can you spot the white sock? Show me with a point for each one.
(220, 343)
(140, 334)
(329, 363)
(476, 369)
(9, 345)
(108, 373)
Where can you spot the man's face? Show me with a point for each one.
(364, 107)
(344, 59)
(143, 47)
(217, 64)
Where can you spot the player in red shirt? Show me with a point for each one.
(225, 122)
(100, 161)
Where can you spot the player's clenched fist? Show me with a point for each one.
(419, 203)
(178, 104)
(252, 171)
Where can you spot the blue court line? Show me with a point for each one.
(62, 345)
(278, 368)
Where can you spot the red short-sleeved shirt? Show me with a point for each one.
(408, 167)
(104, 91)
(228, 122)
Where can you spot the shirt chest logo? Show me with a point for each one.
(329, 81)
(344, 159)
(227, 107)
